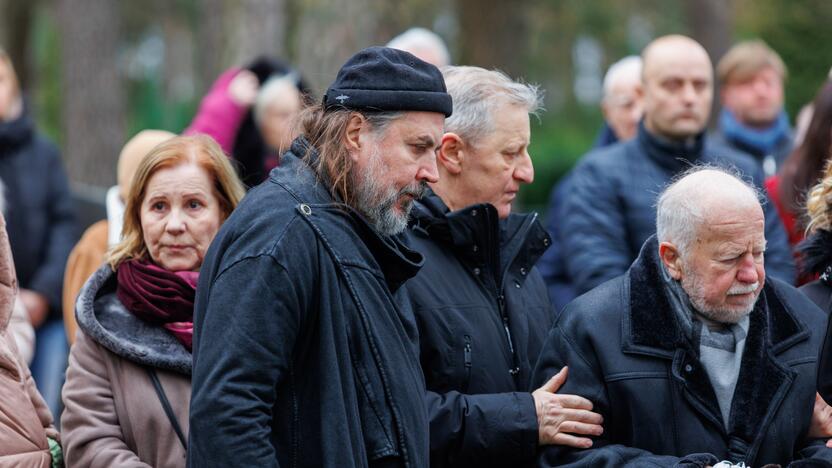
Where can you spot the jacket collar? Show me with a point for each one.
(479, 238)
(396, 261)
(105, 319)
(672, 155)
(650, 327)
(15, 133)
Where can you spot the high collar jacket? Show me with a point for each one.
(482, 312)
(628, 354)
(305, 350)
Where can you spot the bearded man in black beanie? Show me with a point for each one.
(304, 346)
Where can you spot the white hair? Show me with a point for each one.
(476, 92)
(627, 68)
(420, 39)
(271, 91)
(680, 209)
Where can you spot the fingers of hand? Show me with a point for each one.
(571, 441)
(574, 427)
(557, 380)
(571, 401)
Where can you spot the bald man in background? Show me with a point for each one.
(88, 254)
(607, 212)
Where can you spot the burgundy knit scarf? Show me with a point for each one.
(159, 296)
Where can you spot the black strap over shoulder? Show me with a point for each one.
(163, 398)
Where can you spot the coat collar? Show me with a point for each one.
(15, 133)
(479, 238)
(674, 156)
(395, 260)
(651, 328)
(105, 319)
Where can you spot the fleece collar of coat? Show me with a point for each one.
(673, 156)
(650, 327)
(105, 319)
(396, 261)
(479, 238)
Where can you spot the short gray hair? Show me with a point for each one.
(628, 67)
(416, 39)
(679, 216)
(476, 92)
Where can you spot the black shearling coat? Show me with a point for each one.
(627, 354)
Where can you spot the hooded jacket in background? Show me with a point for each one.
(113, 416)
(39, 213)
(25, 421)
(305, 348)
(482, 312)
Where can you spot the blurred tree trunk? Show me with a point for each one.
(711, 23)
(210, 36)
(328, 33)
(16, 25)
(257, 28)
(493, 34)
(92, 90)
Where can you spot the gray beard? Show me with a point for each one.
(377, 202)
(694, 288)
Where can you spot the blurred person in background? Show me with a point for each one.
(804, 167)
(424, 44)
(608, 208)
(27, 436)
(622, 107)
(91, 251)
(621, 104)
(250, 112)
(751, 77)
(41, 226)
(128, 384)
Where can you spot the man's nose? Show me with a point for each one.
(427, 171)
(524, 172)
(747, 272)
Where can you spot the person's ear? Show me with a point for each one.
(671, 259)
(451, 153)
(352, 135)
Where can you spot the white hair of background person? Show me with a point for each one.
(627, 68)
(272, 89)
(678, 218)
(416, 40)
(477, 93)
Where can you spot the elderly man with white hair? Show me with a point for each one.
(693, 356)
(481, 307)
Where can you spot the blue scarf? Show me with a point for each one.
(762, 141)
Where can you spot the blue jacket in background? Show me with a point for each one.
(305, 349)
(482, 313)
(40, 217)
(608, 208)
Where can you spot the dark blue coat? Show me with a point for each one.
(305, 348)
(39, 214)
(609, 202)
(627, 353)
(482, 313)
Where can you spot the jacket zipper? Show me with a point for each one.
(467, 363)
(501, 303)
